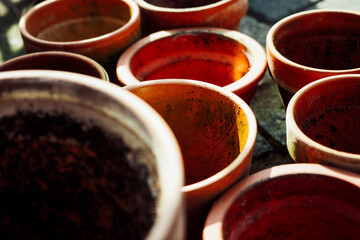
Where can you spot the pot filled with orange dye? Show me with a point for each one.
(216, 131)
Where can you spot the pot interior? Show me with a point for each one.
(303, 206)
(329, 114)
(326, 40)
(70, 171)
(181, 4)
(211, 129)
(207, 57)
(64, 21)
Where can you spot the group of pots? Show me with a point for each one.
(139, 108)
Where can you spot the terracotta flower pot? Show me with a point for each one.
(311, 45)
(222, 57)
(56, 60)
(323, 122)
(80, 160)
(216, 131)
(98, 29)
(159, 15)
(294, 201)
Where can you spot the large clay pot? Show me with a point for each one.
(222, 57)
(98, 29)
(56, 60)
(310, 45)
(80, 160)
(216, 131)
(323, 122)
(294, 201)
(159, 15)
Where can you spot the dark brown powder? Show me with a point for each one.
(59, 180)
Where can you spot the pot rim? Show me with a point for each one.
(94, 64)
(171, 198)
(252, 124)
(151, 7)
(214, 221)
(255, 54)
(283, 22)
(291, 123)
(134, 20)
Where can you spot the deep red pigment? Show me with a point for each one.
(297, 207)
(202, 56)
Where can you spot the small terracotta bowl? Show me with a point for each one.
(159, 15)
(56, 60)
(98, 29)
(293, 201)
(216, 131)
(81, 157)
(310, 45)
(323, 122)
(222, 57)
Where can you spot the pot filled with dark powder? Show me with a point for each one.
(78, 161)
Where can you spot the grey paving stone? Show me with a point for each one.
(270, 113)
(271, 11)
(255, 29)
(273, 159)
(338, 4)
(262, 147)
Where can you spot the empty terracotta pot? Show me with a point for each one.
(310, 45)
(222, 57)
(159, 15)
(294, 201)
(216, 131)
(98, 29)
(80, 160)
(323, 122)
(56, 60)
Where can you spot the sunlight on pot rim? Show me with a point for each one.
(283, 22)
(159, 135)
(134, 16)
(151, 7)
(252, 125)
(296, 131)
(255, 54)
(213, 225)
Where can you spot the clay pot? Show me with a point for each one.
(323, 122)
(294, 201)
(216, 131)
(80, 160)
(222, 57)
(98, 29)
(56, 60)
(159, 15)
(310, 45)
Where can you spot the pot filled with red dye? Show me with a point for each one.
(323, 122)
(226, 58)
(311, 45)
(294, 201)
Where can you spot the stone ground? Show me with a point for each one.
(270, 148)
